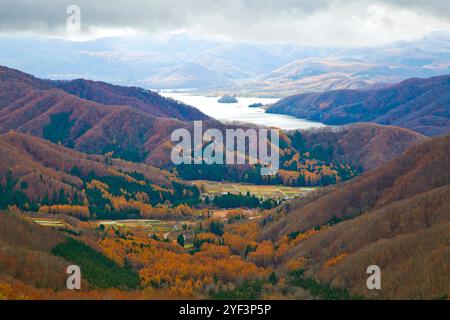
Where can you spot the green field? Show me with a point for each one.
(265, 191)
(55, 223)
(161, 228)
(151, 225)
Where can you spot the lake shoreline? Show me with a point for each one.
(241, 112)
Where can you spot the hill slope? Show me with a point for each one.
(396, 216)
(363, 145)
(35, 172)
(81, 119)
(144, 100)
(421, 105)
(421, 168)
(33, 106)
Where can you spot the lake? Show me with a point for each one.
(227, 112)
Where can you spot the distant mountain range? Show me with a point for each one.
(180, 62)
(422, 105)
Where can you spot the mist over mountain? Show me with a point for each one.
(181, 62)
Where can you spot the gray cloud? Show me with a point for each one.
(48, 14)
(439, 8)
(320, 21)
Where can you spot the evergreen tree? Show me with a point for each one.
(180, 240)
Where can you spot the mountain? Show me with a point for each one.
(38, 107)
(36, 172)
(421, 105)
(100, 118)
(317, 75)
(185, 76)
(421, 168)
(104, 93)
(364, 145)
(358, 68)
(239, 61)
(33, 266)
(24, 241)
(273, 69)
(396, 216)
(144, 100)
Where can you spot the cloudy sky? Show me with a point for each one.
(312, 22)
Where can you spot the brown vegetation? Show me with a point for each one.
(397, 217)
(417, 104)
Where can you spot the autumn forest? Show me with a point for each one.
(86, 180)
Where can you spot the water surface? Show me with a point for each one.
(228, 112)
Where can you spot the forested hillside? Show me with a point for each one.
(120, 122)
(318, 247)
(365, 146)
(421, 105)
(396, 216)
(36, 175)
(144, 100)
(421, 168)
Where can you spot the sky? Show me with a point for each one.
(308, 22)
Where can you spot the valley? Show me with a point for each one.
(310, 247)
(211, 188)
(86, 179)
(217, 157)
